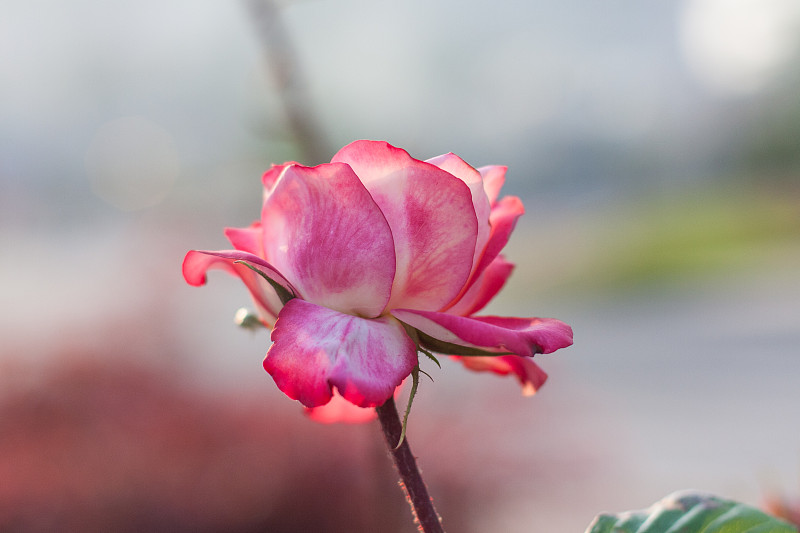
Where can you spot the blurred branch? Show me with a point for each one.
(281, 62)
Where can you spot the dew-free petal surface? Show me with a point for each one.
(249, 239)
(520, 336)
(198, 262)
(316, 348)
(494, 176)
(473, 179)
(432, 218)
(325, 233)
(484, 288)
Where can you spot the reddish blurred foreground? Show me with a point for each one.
(782, 507)
(116, 446)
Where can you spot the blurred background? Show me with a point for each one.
(656, 147)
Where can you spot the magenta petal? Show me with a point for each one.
(315, 349)
(493, 178)
(503, 219)
(198, 262)
(520, 336)
(269, 177)
(250, 239)
(528, 373)
(323, 231)
(460, 169)
(194, 267)
(432, 217)
(484, 288)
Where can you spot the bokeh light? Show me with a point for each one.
(739, 46)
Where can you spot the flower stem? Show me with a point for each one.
(411, 480)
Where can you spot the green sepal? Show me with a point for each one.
(429, 376)
(414, 384)
(431, 357)
(435, 345)
(283, 294)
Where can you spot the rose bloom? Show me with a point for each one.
(359, 263)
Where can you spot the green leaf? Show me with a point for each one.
(691, 512)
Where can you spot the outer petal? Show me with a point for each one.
(494, 176)
(529, 374)
(195, 266)
(198, 262)
(315, 349)
(484, 288)
(325, 233)
(432, 218)
(250, 239)
(503, 219)
(520, 336)
(460, 169)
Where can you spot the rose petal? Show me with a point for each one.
(195, 266)
(250, 239)
(493, 178)
(269, 177)
(323, 231)
(460, 169)
(484, 288)
(198, 262)
(528, 373)
(315, 349)
(503, 219)
(339, 410)
(519, 336)
(432, 218)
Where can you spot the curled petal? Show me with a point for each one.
(484, 288)
(323, 231)
(432, 218)
(198, 262)
(195, 266)
(493, 178)
(446, 333)
(528, 373)
(316, 349)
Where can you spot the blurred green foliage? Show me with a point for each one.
(691, 512)
(699, 234)
(679, 237)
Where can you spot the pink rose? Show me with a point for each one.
(357, 263)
